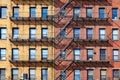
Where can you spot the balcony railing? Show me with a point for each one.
(32, 58)
(33, 37)
(34, 16)
(91, 37)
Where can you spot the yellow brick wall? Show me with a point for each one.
(24, 29)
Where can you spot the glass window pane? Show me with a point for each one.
(32, 12)
(3, 33)
(44, 32)
(32, 53)
(15, 33)
(44, 74)
(89, 33)
(15, 12)
(3, 12)
(101, 12)
(76, 74)
(76, 32)
(77, 54)
(114, 13)
(15, 54)
(115, 34)
(44, 12)
(102, 33)
(32, 33)
(76, 11)
(44, 53)
(89, 12)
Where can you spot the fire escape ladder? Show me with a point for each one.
(63, 7)
(64, 27)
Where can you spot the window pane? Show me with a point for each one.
(32, 54)
(101, 12)
(76, 32)
(77, 54)
(15, 11)
(32, 74)
(15, 33)
(89, 33)
(89, 12)
(102, 54)
(102, 33)
(44, 32)
(44, 53)
(76, 74)
(114, 13)
(90, 75)
(3, 33)
(2, 54)
(115, 55)
(15, 54)
(2, 74)
(63, 33)
(32, 12)
(76, 11)
(63, 54)
(44, 12)
(14, 74)
(44, 74)
(115, 34)
(32, 33)
(3, 12)
(89, 54)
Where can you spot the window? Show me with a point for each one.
(90, 74)
(76, 32)
(62, 75)
(44, 74)
(2, 53)
(32, 54)
(63, 54)
(101, 12)
(102, 54)
(62, 12)
(32, 12)
(77, 75)
(102, 34)
(15, 54)
(2, 33)
(76, 12)
(44, 12)
(44, 53)
(89, 12)
(15, 33)
(115, 34)
(115, 54)
(32, 74)
(89, 54)
(3, 12)
(44, 32)
(16, 12)
(89, 33)
(114, 13)
(2, 74)
(103, 74)
(63, 33)
(32, 33)
(76, 54)
(14, 74)
(116, 74)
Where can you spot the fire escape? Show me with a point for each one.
(81, 39)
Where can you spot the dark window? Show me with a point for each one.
(116, 74)
(89, 33)
(90, 54)
(90, 74)
(63, 75)
(63, 33)
(102, 54)
(76, 11)
(103, 74)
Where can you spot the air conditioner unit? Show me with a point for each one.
(24, 76)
